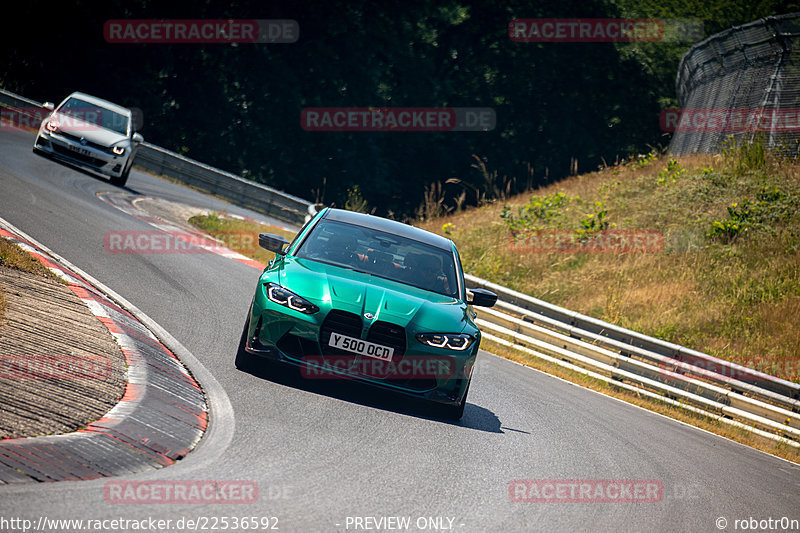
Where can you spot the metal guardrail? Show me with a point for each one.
(240, 191)
(20, 112)
(730, 392)
(16, 100)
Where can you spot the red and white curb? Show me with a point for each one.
(161, 417)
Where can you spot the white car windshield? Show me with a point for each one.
(97, 115)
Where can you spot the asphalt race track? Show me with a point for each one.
(320, 454)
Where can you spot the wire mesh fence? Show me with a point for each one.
(738, 85)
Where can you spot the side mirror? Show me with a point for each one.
(481, 297)
(137, 138)
(49, 106)
(273, 243)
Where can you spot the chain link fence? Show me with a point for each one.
(739, 84)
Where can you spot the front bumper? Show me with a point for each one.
(63, 147)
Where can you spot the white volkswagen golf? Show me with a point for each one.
(92, 133)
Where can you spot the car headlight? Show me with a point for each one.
(52, 125)
(119, 150)
(287, 298)
(451, 341)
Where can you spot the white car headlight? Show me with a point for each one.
(118, 150)
(451, 341)
(287, 298)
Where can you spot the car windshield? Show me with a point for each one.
(97, 115)
(383, 255)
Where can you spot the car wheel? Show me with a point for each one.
(123, 178)
(244, 361)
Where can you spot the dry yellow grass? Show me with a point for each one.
(733, 300)
(12, 256)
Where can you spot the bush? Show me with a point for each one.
(537, 210)
(355, 201)
(592, 223)
(671, 173)
(771, 206)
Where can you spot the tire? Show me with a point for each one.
(123, 178)
(244, 361)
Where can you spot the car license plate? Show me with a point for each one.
(361, 347)
(83, 151)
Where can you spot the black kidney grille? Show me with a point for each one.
(390, 335)
(383, 333)
(342, 322)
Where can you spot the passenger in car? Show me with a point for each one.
(342, 248)
(425, 271)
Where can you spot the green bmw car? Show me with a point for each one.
(356, 296)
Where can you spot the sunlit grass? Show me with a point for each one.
(12, 256)
(239, 235)
(732, 299)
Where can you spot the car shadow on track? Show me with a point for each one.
(475, 416)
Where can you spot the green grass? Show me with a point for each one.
(240, 236)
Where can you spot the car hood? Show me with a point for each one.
(91, 132)
(333, 287)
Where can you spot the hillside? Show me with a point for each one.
(725, 280)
